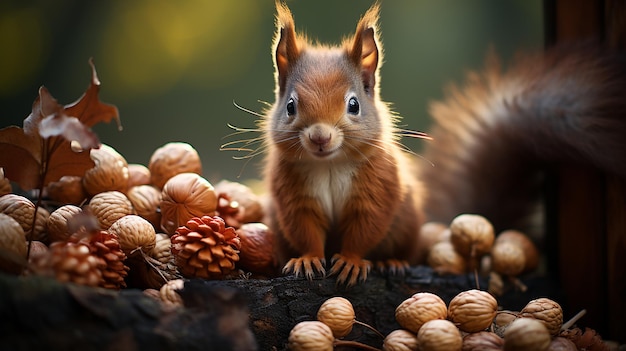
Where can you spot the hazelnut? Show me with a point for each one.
(138, 174)
(109, 173)
(310, 336)
(444, 259)
(57, 222)
(67, 190)
(171, 159)
(439, 335)
(185, 196)
(547, 311)
(19, 208)
(146, 200)
(526, 334)
(257, 249)
(338, 314)
(400, 340)
(521, 240)
(482, 341)
(134, 233)
(472, 236)
(472, 310)
(109, 206)
(420, 308)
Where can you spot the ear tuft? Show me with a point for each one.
(365, 51)
(286, 50)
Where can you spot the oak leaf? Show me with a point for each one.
(55, 140)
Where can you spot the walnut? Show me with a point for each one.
(20, 208)
(338, 314)
(472, 237)
(526, 334)
(400, 340)
(109, 206)
(439, 335)
(444, 259)
(547, 311)
(310, 336)
(138, 174)
(134, 233)
(430, 234)
(57, 222)
(185, 196)
(12, 244)
(482, 341)
(514, 253)
(67, 190)
(172, 159)
(146, 200)
(420, 308)
(109, 173)
(472, 310)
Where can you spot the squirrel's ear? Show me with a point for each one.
(365, 51)
(286, 49)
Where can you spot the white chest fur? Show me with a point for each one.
(330, 184)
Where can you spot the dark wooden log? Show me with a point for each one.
(39, 313)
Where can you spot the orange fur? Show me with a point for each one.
(336, 176)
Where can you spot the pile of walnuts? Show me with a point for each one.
(470, 322)
(469, 244)
(126, 224)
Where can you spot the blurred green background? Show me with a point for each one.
(174, 68)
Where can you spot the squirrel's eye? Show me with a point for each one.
(353, 106)
(291, 107)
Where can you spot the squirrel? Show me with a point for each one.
(343, 188)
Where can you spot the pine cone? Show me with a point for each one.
(106, 246)
(205, 247)
(71, 262)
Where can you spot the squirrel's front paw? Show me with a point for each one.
(306, 266)
(350, 269)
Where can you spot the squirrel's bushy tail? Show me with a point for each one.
(493, 138)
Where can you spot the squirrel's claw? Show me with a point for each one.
(306, 266)
(350, 270)
(393, 267)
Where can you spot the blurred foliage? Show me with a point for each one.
(174, 68)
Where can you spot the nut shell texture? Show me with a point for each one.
(526, 334)
(472, 310)
(310, 336)
(109, 173)
(57, 222)
(547, 311)
(146, 200)
(482, 341)
(109, 206)
(185, 196)
(471, 234)
(338, 314)
(400, 340)
(420, 308)
(134, 233)
(172, 159)
(439, 335)
(12, 235)
(20, 208)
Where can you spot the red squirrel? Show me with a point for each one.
(341, 186)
